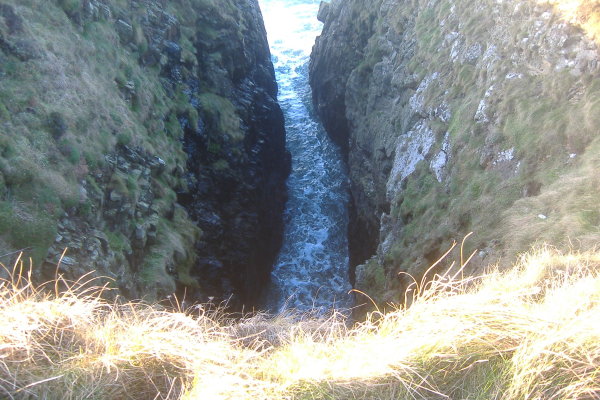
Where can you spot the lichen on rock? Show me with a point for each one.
(459, 117)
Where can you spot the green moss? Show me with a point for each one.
(91, 160)
(174, 251)
(26, 227)
(221, 115)
(7, 148)
(118, 183)
(93, 185)
(132, 185)
(221, 165)
(117, 241)
(214, 148)
(116, 118)
(173, 127)
(136, 105)
(420, 194)
(193, 117)
(57, 125)
(70, 6)
(74, 156)
(4, 113)
(86, 209)
(124, 139)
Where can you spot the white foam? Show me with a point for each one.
(312, 268)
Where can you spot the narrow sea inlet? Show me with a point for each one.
(311, 271)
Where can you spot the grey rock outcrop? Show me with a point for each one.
(443, 107)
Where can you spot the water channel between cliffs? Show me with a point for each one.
(311, 270)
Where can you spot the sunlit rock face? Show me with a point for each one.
(457, 117)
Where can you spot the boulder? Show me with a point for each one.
(324, 9)
(125, 31)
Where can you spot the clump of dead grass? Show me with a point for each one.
(74, 345)
(530, 332)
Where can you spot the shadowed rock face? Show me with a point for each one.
(338, 52)
(240, 207)
(162, 139)
(237, 162)
(444, 110)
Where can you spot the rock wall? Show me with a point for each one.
(239, 199)
(460, 117)
(144, 137)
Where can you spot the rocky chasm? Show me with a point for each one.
(144, 137)
(458, 116)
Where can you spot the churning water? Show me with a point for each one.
(312, 268)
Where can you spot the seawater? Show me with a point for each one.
(311, 271)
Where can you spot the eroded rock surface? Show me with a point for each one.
(456, 117)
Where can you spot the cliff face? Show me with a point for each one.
(145, 137)
(239, 199)
(459, 117)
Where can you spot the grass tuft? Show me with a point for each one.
(529, 332)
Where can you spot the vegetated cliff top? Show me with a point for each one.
(463, 117)
(530, 332)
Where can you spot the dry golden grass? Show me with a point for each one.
(75, 345)
(528, 333)
(584, 13)
(570, 205)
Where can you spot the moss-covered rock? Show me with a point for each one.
(124, 124)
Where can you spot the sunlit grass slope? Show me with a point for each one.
(585, 13)
(532, 332)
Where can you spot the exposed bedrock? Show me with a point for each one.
(457, 117)
(145, 137)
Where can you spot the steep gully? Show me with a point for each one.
(188, 196)
(311, 271)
